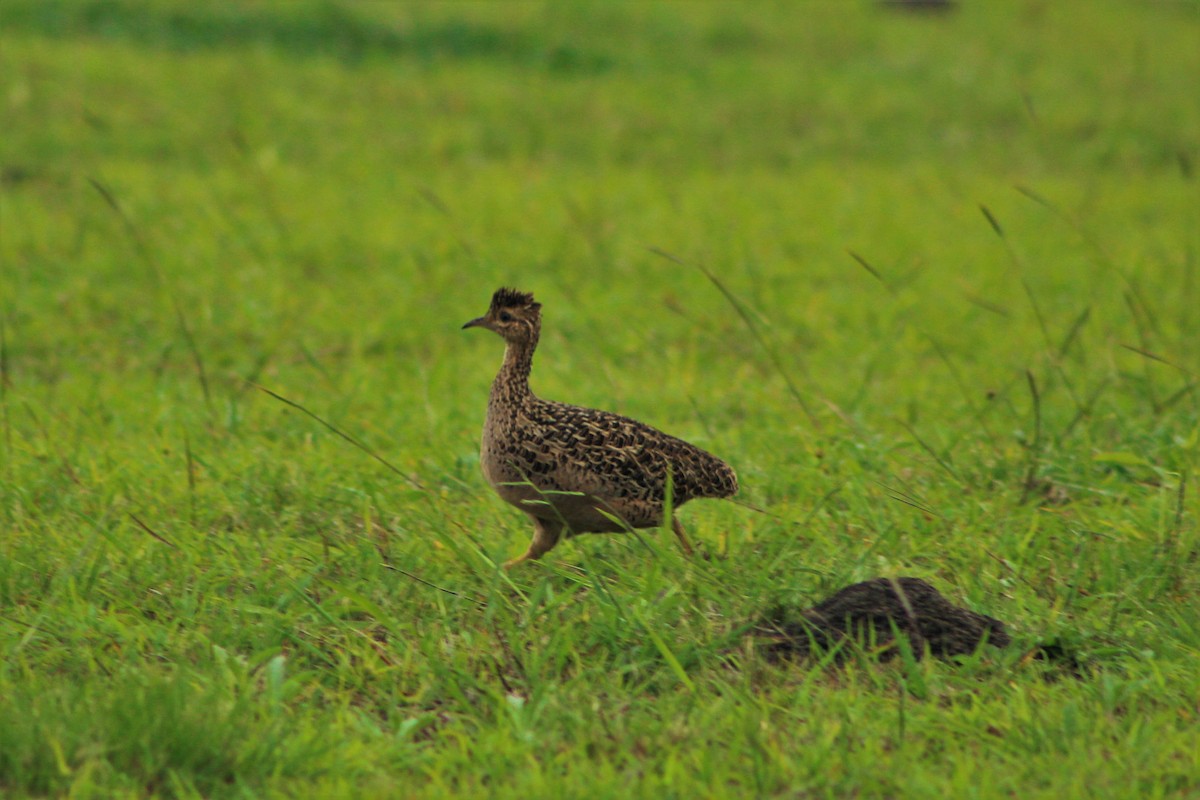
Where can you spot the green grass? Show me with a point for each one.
(205, 592)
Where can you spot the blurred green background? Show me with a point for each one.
(954, 336)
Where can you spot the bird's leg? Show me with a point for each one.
(546, 534)
(684, 544)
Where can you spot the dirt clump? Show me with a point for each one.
(871, 613)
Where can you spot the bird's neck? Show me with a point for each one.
(512, 382)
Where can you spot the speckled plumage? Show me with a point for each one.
(579, 470)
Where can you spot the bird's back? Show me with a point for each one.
(561, 447)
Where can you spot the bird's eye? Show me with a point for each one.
(505, 316)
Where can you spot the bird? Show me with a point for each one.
(576, 470)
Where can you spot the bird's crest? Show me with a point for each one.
(511, 298)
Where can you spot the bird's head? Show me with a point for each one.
(514, 315)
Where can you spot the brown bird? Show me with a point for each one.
(579, 470)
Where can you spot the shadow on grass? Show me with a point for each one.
(296, 29)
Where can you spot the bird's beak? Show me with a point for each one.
(478, 322)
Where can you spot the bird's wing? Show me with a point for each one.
(609, 455)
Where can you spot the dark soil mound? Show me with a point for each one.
(871, 612)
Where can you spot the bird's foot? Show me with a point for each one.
(512, 562)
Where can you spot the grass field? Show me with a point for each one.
(955, 336)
